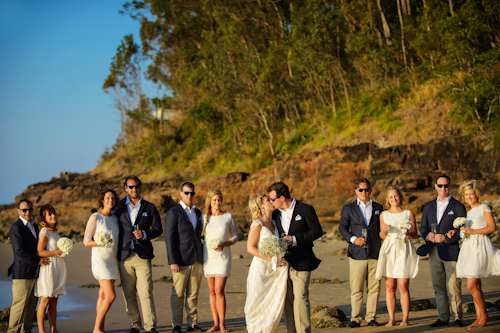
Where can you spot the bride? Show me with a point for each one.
(266, 288)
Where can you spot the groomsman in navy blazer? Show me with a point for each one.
(185, 257)
(23, 236)
(298, 224)
(139, 223)
(443, 251)
(363, 252)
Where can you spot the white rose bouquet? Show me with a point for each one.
(103, 238)
(275, 247)
(460, 222)
(404, 226)
(65, 244)
(214, 244)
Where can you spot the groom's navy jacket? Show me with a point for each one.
(148, 221)
(306, 228)
(351, 224)
(24, 245)
(448, 251)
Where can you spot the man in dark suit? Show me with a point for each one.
(439, 214)
(298, 224)
(139, 223)
(362, 214)
(185, 257)
(23, 236)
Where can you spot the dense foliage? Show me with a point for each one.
(247, 79)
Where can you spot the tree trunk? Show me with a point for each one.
(451, 7)
(346, 93)
(385, 25)
(402, 33)
(271, 137)
(426, 10)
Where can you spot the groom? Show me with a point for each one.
(298, 224)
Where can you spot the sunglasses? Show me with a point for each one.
(273, 199)
(188, 193)
(24, 210)
(445, 185)
(361, 190)
(131, 187)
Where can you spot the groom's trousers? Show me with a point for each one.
(297, 306)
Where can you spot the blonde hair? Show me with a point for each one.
(208, 205)
(254, 205)
(468, 185)
(401, 198)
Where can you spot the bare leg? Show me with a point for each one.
(390, 299)
(474, 285)
(220, 285)
(213, 304)
(53, 314)
(106, 298)
(40, 313)
(404, 292)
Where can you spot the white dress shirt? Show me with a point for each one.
(441, 207)
(366, 211)
(133, 210)
(190, 213)
(286, 219)
(30, 226)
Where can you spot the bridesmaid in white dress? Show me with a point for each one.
(478, 256)
(266, 288)
(52, 278)
(217, 225)
(104, 257)
(397, 260)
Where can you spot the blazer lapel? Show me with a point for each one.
(294, 221)
(358, 212)
(187, 220)
(447, 210)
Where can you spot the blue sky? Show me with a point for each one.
(54, 116)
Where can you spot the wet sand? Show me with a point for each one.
(77, 309)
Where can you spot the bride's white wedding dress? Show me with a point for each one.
(266, 290)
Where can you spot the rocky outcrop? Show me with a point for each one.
(324, 179)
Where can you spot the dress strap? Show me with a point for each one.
(256, 223)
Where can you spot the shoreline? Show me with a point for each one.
(80, 316)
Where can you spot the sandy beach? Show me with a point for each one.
(77, 309)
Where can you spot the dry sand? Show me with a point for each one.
(77, 308)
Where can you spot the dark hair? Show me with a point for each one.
(24, 200)
(281, 190)
(43, 222)
(188, 184)
(363, 180)
(134, 178)
(444, 176)
(102, 193)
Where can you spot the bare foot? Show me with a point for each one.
(482, 321)
(223, 329)
(214, 329)
(404, 323)
(390, 323)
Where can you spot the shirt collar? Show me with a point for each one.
(26, 221)
(127, 201)
(289, 209)
(184, 206)
(359, 202)
(447, 200)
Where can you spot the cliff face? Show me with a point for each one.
(324, 179)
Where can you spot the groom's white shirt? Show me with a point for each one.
(286, 219)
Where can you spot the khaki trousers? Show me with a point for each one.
(23, 306)
(186, 285)
(362, 272)
(137, 280)
(297, 306)
(444, 278)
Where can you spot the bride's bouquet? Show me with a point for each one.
(103, 238)
(404, 226)
(274, 247)
(65, 244)
(214, 244)
(460, 222)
